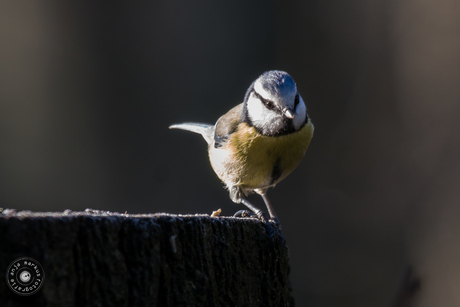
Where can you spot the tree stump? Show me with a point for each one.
(100, 258)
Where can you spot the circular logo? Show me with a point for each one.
(25, 276)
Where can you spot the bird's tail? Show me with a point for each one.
(207, 131)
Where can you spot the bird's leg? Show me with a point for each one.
(236, 196)
(271, 211)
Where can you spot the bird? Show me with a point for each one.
(260, 141)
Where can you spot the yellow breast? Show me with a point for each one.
(254, 161)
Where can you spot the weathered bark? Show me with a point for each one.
(97, 258)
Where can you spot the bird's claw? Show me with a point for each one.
(261, 215)
(244, 213)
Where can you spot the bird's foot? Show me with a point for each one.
(262, 216)
(244, 213)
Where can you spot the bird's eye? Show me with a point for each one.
(269, 104)
(296, 100)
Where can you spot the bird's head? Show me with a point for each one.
(273, 106)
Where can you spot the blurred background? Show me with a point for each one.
(88, 90)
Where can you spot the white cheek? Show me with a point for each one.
(301, 114)
(260, 115)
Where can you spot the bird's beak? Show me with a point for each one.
(289, 113)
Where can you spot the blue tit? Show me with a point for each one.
(259, 142)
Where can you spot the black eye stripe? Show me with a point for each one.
(268, 103)
(296, 100)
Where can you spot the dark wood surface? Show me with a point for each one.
(100, 258)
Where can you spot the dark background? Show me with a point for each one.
(88, 90)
